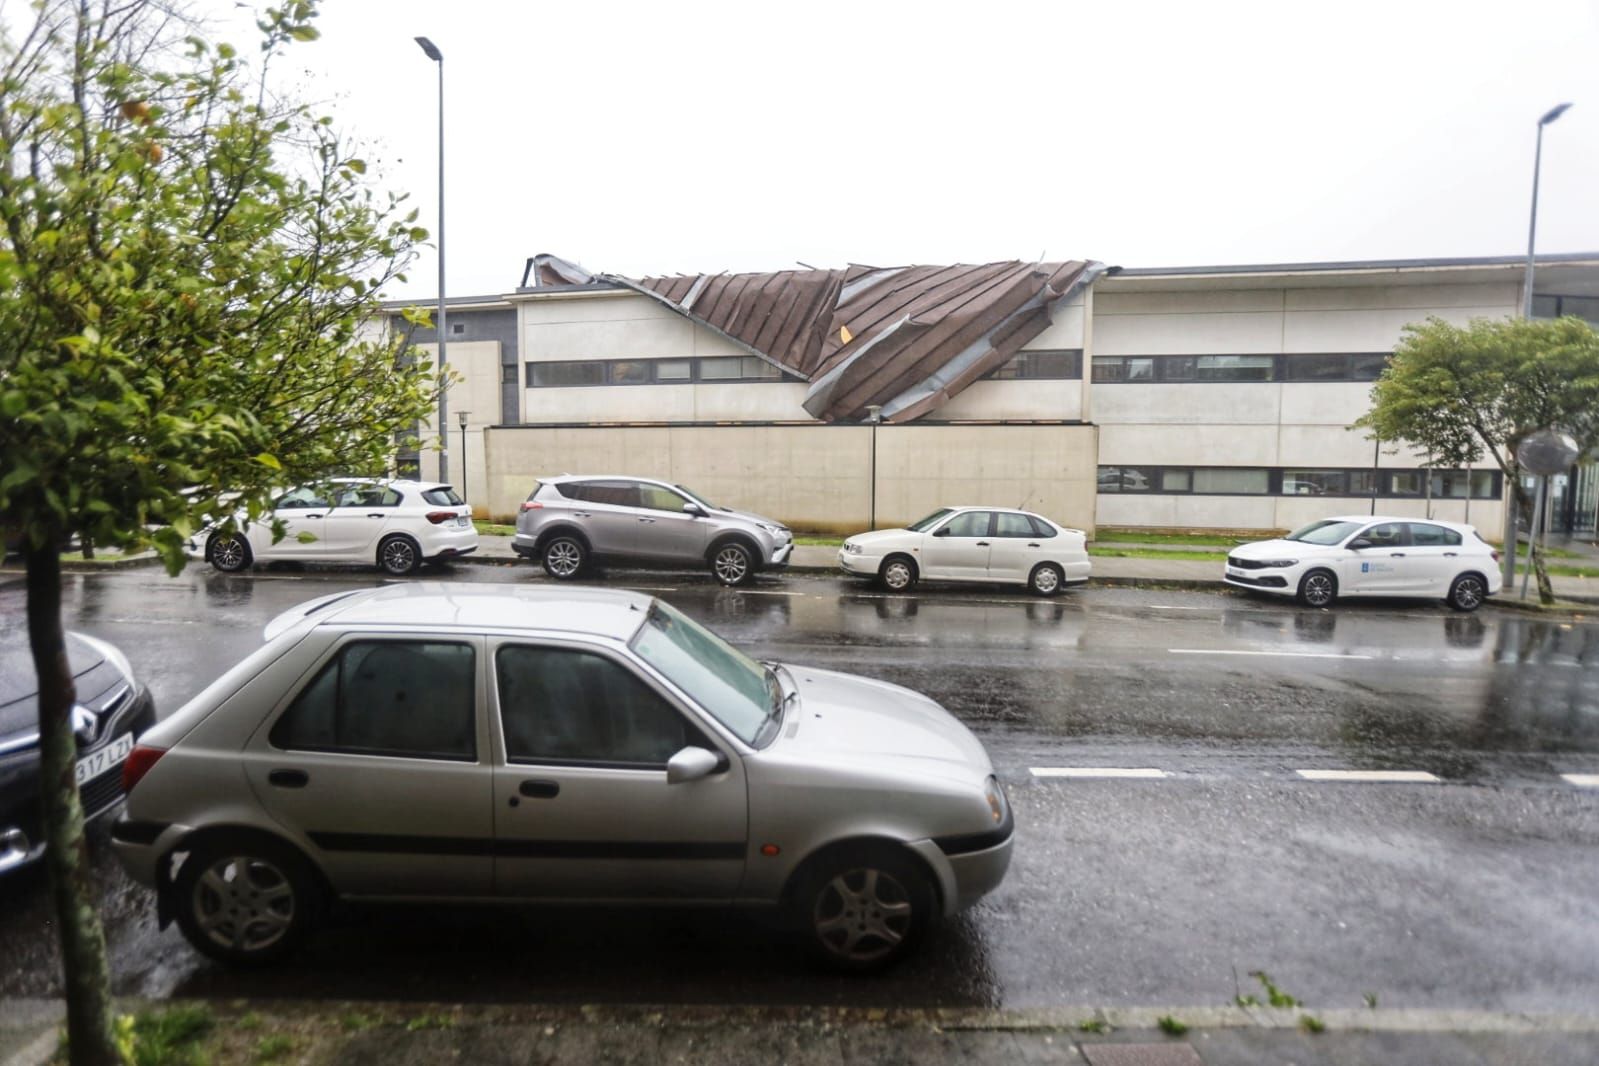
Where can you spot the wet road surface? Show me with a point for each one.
(1478, 890)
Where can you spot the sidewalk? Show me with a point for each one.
(389, 1034)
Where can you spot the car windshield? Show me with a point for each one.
(1326, 532)
(927, 523)
(697, 498)
(741, 693)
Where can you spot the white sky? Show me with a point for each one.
(686, 136)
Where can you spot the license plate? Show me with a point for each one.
(461, 522)
(93, 765)
(1234, 573)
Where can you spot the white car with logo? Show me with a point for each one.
(394, 524)
(971, 544)
(1370, 555)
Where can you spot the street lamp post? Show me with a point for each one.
(874, 415)
(431, 50)
(460, 416)
(1511, 525)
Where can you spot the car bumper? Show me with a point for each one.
(452, 553)
(780, 556)
(1261, 581)
(140, 845)
(857, 564)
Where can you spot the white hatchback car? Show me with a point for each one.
(971, 544)
(397, 525)
(1370, 555)
(566, 745)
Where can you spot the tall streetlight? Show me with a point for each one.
(874, 415)
(431, 50)
(1511, 526)
(460, 416)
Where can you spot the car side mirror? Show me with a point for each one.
(1358, 543)
(942, 531)
(694, 509)
(691, 764)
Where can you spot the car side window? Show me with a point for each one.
(1041, 528)
(969, 524)
(369, 496)
(658, 499)
(565, 706)
(615, 493)
(387, 697)
(299, 500)
(1007, 524)
(1388, 535)
(1425, 534)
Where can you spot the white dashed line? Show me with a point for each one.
(1097, 771)
(1582, 780)
(1267, 654)
(1387, 776)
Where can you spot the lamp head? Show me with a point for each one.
(1553, 113)
(431, 49)
(460, 416)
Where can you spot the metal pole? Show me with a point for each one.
(1532, 535)
(463, 458)
(1532, 227)
(433, 53)
(1376, 457)
(874, 414)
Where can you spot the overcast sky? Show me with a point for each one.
(642, 138)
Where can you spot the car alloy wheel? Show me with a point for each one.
(898, 575)
(865, 909)
(244, 900)
(563, 558)
(1318, 588)
(398, 555)
(731, 565)
(1467, 593)
(1045, 580)
(229, 553)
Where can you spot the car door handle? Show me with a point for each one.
(1396, 555)
(651, 521)
(288, 778)
(374, 516)
(1450, 555)
(311, 516)
(581, 514)
(1032, 545)
(982, 544)
(536, 789)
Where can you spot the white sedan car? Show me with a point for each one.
(396, 525)
(971, 544)
(1370, 555)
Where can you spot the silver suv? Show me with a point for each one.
(570, 521)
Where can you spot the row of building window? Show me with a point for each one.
(1290, 481)
(1318, 366)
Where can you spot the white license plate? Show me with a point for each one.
(113, 754)
(1234, 573)
(461, 522)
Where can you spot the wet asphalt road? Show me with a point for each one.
(1481, 891)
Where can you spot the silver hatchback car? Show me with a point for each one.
(567, 522)
(484, 743)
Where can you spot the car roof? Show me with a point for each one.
(559, 479)
(1368, 519)
(612, 613)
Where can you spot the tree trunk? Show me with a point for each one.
(1528, 505)
(86, 975)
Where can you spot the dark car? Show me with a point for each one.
(112, 709)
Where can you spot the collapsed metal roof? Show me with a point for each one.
(907, 339)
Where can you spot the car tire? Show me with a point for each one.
(898, 573)
(246, 900)
(399, 555)
(1046, 580)
(565, 557)
(1467, 592)
(1319, 588)
(862, 909)
(229, 553)
(732, 564)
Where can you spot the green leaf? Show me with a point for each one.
(269, 461)
(304, 33)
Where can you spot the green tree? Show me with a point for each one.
(187, 264)
(1460, 392)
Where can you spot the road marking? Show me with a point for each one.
(1097, 771)
(1582, 780)
(1268, 654)
(649, 588)
(1177, 607)
(1388, 776)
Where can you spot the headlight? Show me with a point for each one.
(851, 548)
(998, 805)
(1279, 562)
(772, 530)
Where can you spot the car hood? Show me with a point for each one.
(748, 516)
(19, 706)
(880, 537)
(1279, 549)
(844, 717)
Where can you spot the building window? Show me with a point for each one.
(457, 327)
(1293, 481)
(629, 372)
(565, 375)
(737, 368)
(1313, 367)
(1044, 365)
(669, 370)
(578, 373)
(1549, 305)
(508, 374)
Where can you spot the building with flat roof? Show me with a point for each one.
(1189, 397)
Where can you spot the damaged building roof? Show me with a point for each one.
(907, 339)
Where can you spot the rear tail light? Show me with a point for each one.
(1495, 555)
(140, 759)
(530, 505)
(438, 518)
